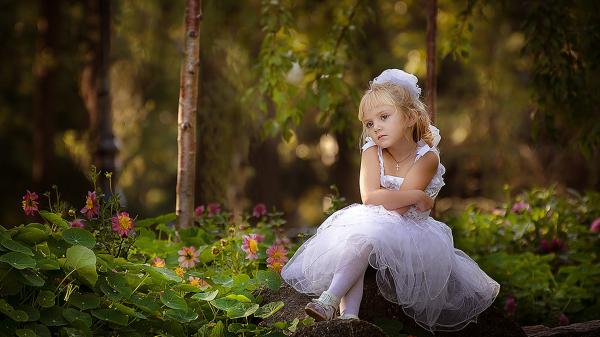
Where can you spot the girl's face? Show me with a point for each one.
(385, 125)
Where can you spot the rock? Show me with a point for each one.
(584, 329)
(341, 327)
(377, 310)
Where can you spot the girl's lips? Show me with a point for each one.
(379, 137)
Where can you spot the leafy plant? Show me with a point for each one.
(542, 247)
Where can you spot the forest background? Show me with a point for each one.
(279, 85)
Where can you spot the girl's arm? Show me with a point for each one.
(420, 175)
(370, 190)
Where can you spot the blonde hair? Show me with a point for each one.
(412, 109)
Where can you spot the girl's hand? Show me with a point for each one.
(424, 203)
(402, 210)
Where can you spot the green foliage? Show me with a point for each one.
(560, 39)
(542, 250)
(60, 280)
(294, 78)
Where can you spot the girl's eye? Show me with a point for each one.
(384, 117)
(369, 125)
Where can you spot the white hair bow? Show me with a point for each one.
(400, 77)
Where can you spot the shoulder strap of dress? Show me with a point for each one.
(422, 149)
(380, 157)
(369, 143)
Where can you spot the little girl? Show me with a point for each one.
(439, 286)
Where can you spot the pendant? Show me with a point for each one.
(397, 167)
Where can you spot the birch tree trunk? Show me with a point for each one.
(430, 85)
(186, 121)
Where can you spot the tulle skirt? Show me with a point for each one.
(437, 285)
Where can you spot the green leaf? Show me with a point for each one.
(18, 260)
(237, 297)
(111, 315)
(15, 315)
(172, 300)
(47, 264)
(25, 333)
(31, 278)
(163, 273)
(78, 236)
(270, 278)
(224, 280)
(294, 325)
(32, 313)
(208, 296)
(242, 310)
(145, 303)
(128, 311)
(268, 309)
(82, 260)
(162, 219)
(84, 301)
(54, 219)
(15, 246)
(218, 330)
(45, 299)
(240, 281)
(119, 283)
(80, 330)
(57, 247)
(32, 234)
(53, 316)
(73, 315)
(224, 303)
(40, 330)
(110, 293)
(183, 316)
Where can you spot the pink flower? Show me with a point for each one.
(30, 205)
(276, 257)
(77, 223)
(158, 262)
(557, 245)
(199, 210)
(188, 257)
(122, 224)
(213, 209)
(595, 226)
(91, 208)
(276, 253)
(510, 305)
(259, 210)
(282, 240)
(544, 246)
(250, 245)
(520, 207)
(563, 319)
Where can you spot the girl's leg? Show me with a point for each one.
(350, 303)
(346, 276)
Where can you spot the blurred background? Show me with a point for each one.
(517, 101)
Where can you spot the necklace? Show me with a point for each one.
(398, 161)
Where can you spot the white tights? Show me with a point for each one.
(348, 280)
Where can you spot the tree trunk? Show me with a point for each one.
(188, 103)
(45, 70)
(430, 85)
(95, 90)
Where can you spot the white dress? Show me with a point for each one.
(437, 285)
